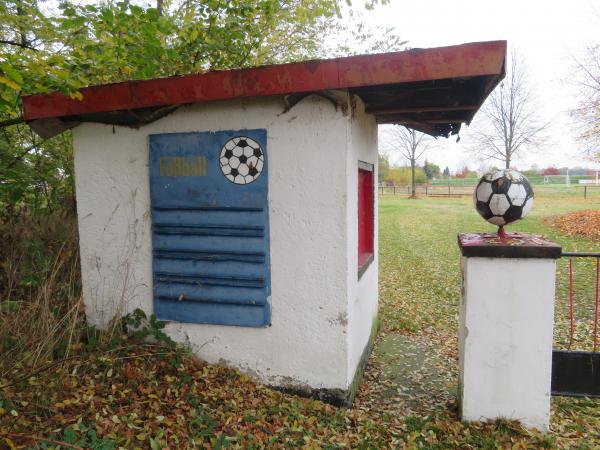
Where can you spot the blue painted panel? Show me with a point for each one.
(208, 243)
(210, 227)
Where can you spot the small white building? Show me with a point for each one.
(241, 206)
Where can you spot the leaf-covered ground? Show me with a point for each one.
(579, 223)
(419, 297)
(151, 396)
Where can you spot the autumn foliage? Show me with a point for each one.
(579, 223)
(549, 171)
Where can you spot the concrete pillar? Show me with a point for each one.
(506, 323)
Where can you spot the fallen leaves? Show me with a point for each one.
(578, 223)
(173, 402)
(419, 297)
(135, 395)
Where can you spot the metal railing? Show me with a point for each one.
(575, 371)
(571, 256)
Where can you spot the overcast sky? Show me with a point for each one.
(545, 33)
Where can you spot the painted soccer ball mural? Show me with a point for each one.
(503, 196)
(242, 160)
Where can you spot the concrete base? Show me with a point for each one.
(505, 337)
(338, 397)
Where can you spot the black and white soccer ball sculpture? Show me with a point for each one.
(502, 197)
(242, 160)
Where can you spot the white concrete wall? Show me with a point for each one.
(309, 342)
(506, 322)
(363, 294)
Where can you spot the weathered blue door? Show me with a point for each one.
(210, 227)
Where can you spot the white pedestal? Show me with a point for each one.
(505, 337)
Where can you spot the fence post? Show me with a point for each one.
(505, 332)
(426, 189)
(394, 189)
(585, 192)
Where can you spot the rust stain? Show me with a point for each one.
(312, 66)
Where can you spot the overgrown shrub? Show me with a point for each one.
(42, 317)
(401, 176)
(41, 313)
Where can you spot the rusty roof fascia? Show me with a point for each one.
(466, 60)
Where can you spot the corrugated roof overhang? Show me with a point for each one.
(432, 90)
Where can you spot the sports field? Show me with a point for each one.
(415, 361)
(419, 257)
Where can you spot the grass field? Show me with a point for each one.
(419, 256)
(420, 293)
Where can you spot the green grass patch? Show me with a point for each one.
(420, 260)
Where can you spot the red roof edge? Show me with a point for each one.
(465, 60)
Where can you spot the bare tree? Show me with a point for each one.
(511, 123)
(588, 109)
(409, 144)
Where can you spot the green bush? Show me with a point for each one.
(401, 176)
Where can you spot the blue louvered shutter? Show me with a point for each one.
(210, 227)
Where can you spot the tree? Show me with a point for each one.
(465, 172)
(83, 43)
(510, 123)
(383, 167)
(550, 171)
(531, 173)
(587, 111)
(354, 35)
(431, 170)
(447, 172)
(408, 144)
(402, 176)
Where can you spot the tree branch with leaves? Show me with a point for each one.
(408, 144)
(81, 43)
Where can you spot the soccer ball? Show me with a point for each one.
(503, 196)
(242, 160)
